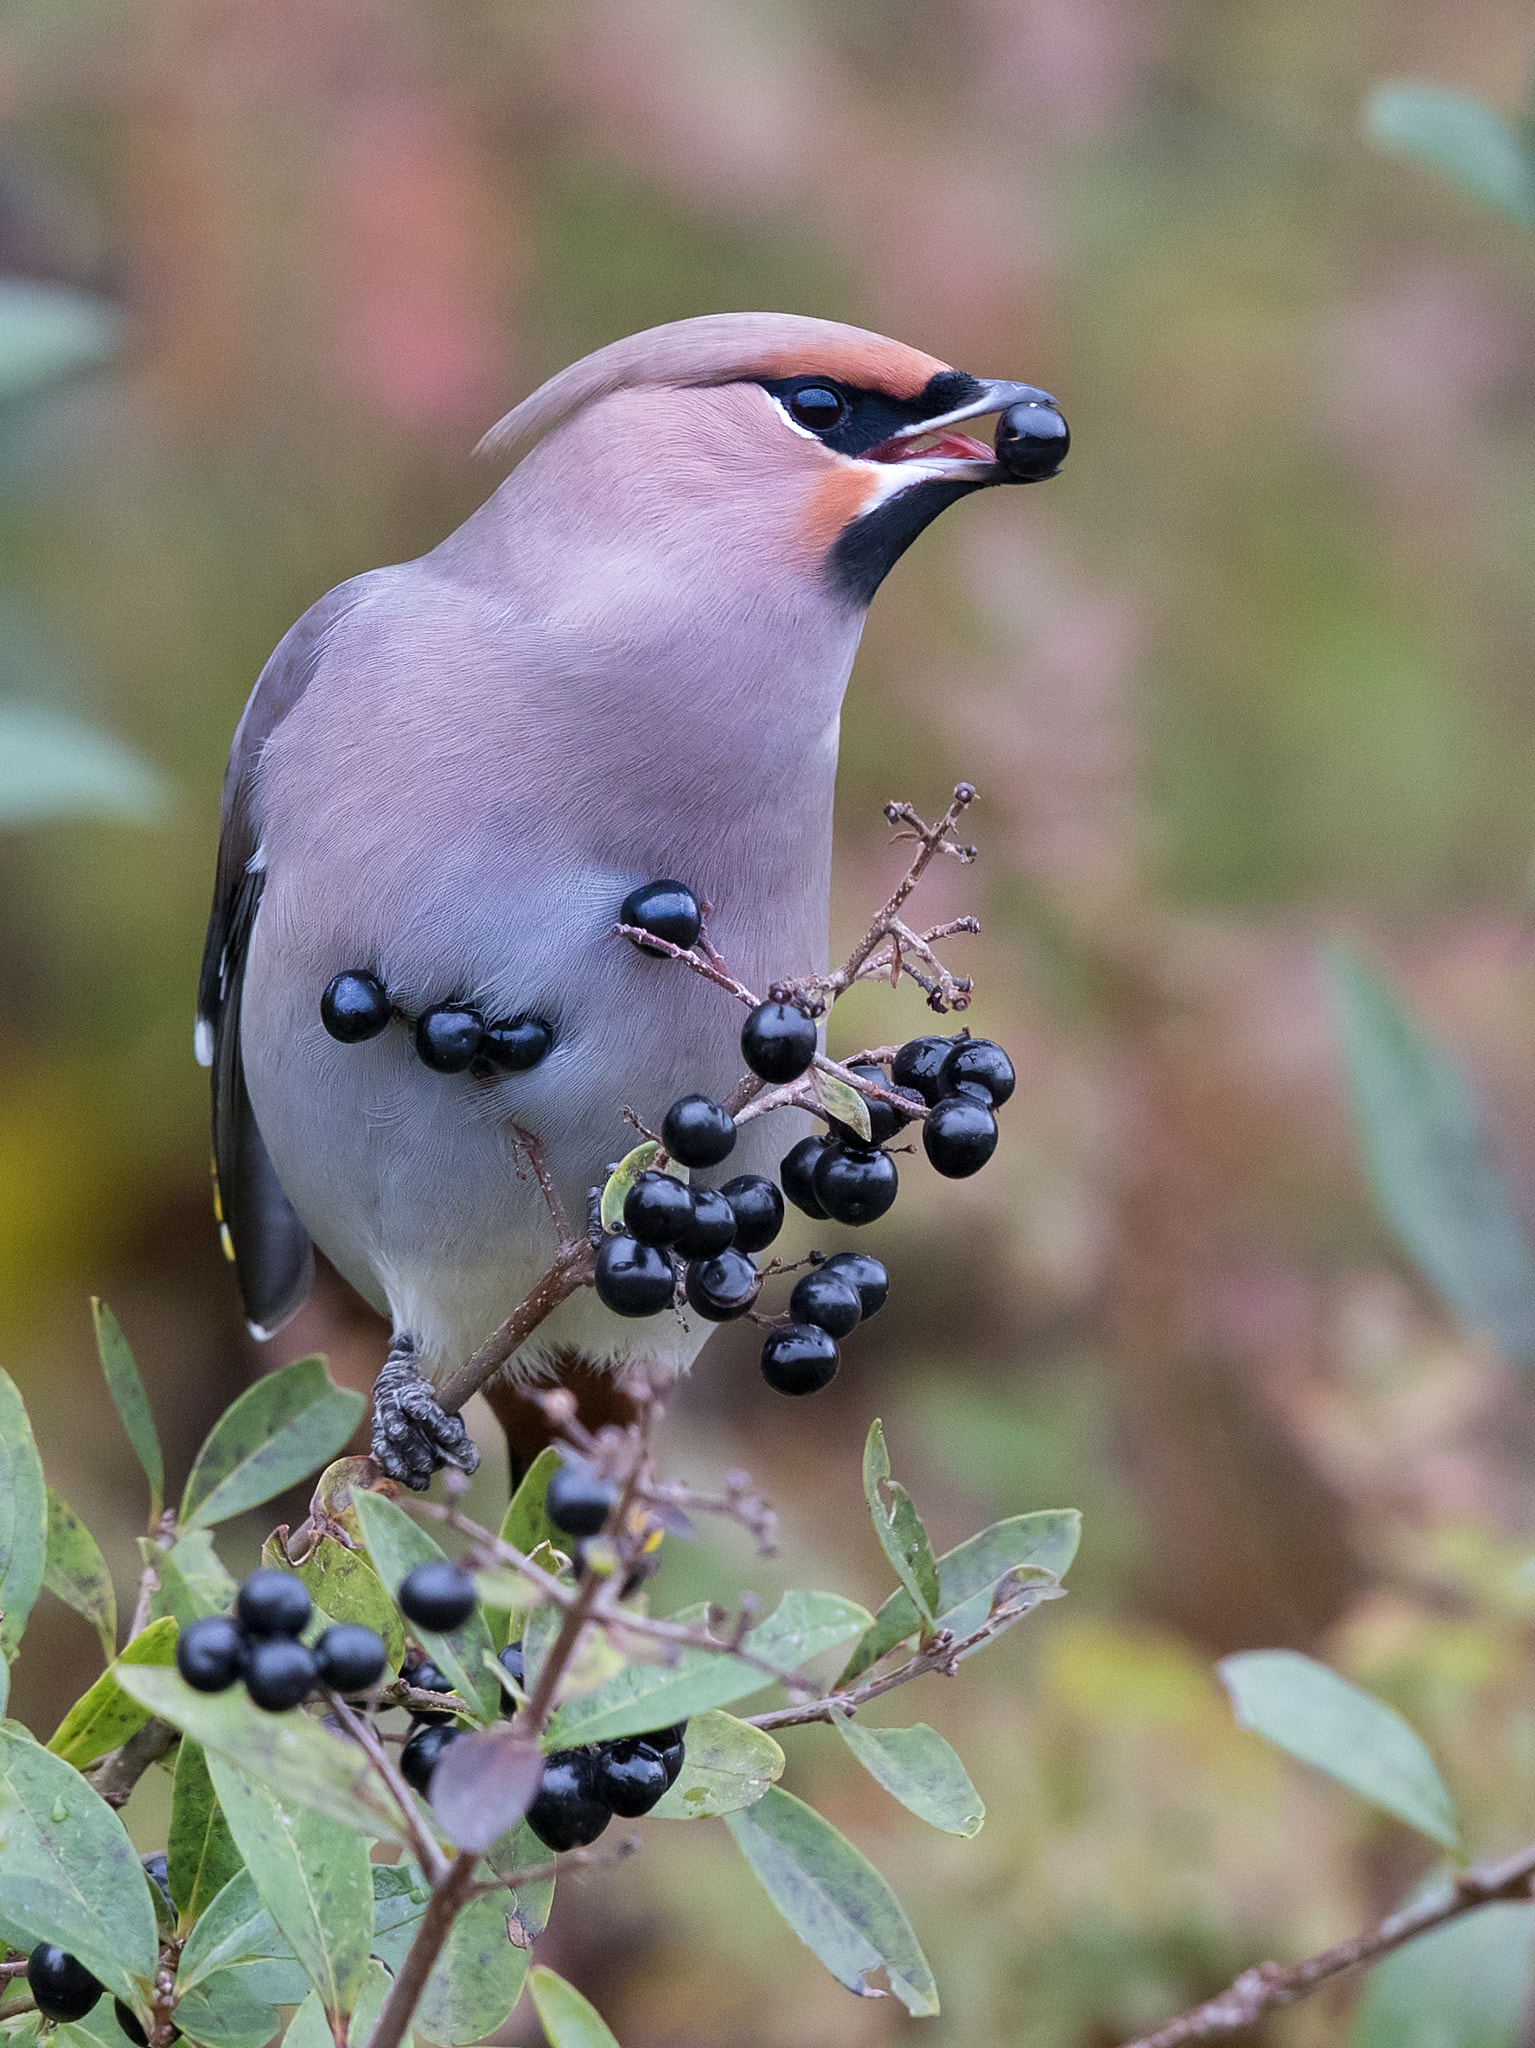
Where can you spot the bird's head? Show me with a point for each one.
(826, 445)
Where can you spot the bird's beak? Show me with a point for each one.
(932, 449)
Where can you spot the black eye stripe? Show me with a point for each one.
(866, 418)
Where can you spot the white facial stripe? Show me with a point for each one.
(790, 421)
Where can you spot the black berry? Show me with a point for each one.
(210, 1653)
(722, 1289)
(658, 1209)
(980, 1061)
(713, 1228)
(279, 1673)
(577, 1501)
(668, 910)
(273, 1603)
(778, 1042)
(796, 1170)
(62, 1986)
(697, 1132)
(437, 1595)
(425, 1677)
(449, 1037)
(418, 1759)
(866, 1274)
(355, 1006)
(799, 1359)
(1031, 441)
(349, 1657)
(512, 1664)
(130, 2023)
(629, 1777)
(830, 1302)
(855, 1186)
(758, 1208)
(513, 1047)
(884, 1119)
(919, 1065)
(668, 1744)
(567, 1814)
(634, 1279)
(959, 1136)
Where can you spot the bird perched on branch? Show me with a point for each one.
(628, 664)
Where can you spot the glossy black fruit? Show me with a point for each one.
(577, 1501)
(959, 1136)
(983, 1063)
(697, 1132)
(668, 910)
(273, 1603)
(425, 1677)
(349, 1657)
(668, 1744)
(758, 1208)
(884, 1120)
(210, 1653)
(1031, 442)
(130, 2023)
(778, 1042)
(355, 1006)
(437, 1596)
(634, 1279)
(512, 1665)
(796, 1170)
(513, 1047)
(418, 1759)
(449, 1037)
(799, 1359)
(567, 1814)
(713, 1229)
(279, 1673)
(722, 1289)
(62, 1986)
(831, 1303)
(866, 1274)
(919, 1064)
(629, 1777)
(658, 1209)
(855, 1186)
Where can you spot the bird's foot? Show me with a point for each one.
(412, 1433)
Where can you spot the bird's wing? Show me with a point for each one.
(260, 1231)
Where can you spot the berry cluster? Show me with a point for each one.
(451, 1038)
(259, 1643)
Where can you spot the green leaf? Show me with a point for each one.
(303, 1763)
(313, 1876)
(1429, 1164)
(916, 1766)
(68, 1872)
(397, 1544)
(1460, 137)
(727, 1765)
(646, 1696)
(531, 1901)
(236, 1928)
(898, 1526)
(309, 2028)
(967, 1577)
(99, 2029)
(225, 2012)
(565, 2016)
(200, 1850)
(76, 1572)
(1466, 1985)
(525, 1525)
(103, 1718)
(834, 1899)
(48, 331)
(278, 1432)
(192, 1580)
(130, 1401)
(1301, 1706)
(344, 1585)
(842, 1101)
(623, 1177)
(23, 1518)
(476, 1980)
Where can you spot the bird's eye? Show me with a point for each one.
(817, 406)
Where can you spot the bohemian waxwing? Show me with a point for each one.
(628, 664)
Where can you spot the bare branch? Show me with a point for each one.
(571, 1271)
(116, 1775)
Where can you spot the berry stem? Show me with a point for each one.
(434, 1864)
(571, 1271)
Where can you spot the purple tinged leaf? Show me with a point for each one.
(484, 1784)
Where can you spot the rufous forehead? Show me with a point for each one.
(874, 365)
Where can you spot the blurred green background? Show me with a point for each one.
(1254, 672)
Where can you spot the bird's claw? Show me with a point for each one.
(412, 1433)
